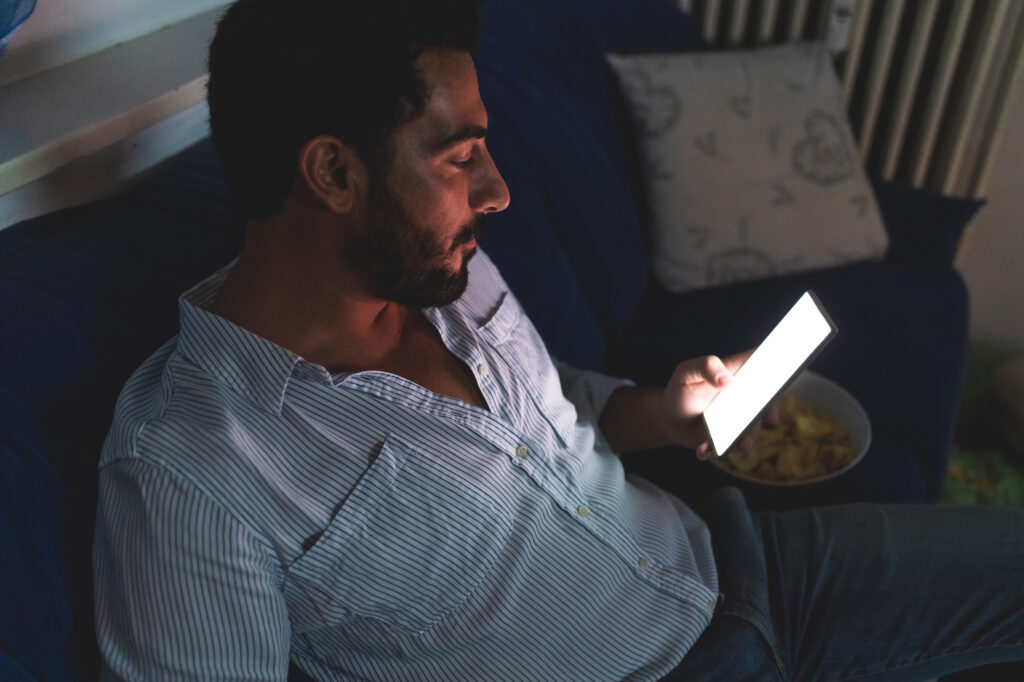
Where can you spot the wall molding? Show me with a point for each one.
(108, 171)
(130, 94)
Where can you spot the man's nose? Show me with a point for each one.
(491, 193)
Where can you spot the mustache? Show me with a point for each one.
(471, 230)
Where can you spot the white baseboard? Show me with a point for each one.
(107, 171)
(78, 131)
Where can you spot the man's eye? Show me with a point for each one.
(464, 164)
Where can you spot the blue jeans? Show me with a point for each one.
(860, 592)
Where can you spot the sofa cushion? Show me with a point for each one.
(556, 135)
(47, 494)
(12, 671)
(924, 227)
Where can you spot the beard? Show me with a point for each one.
(402, 260)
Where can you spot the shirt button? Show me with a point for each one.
(483, 369)
(522, 451)
(583, 511)
(643, 563)
(711, 606)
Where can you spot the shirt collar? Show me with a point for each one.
(250, 364)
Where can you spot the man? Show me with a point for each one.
(357, 455)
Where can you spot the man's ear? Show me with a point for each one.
(333, 173)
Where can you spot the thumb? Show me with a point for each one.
(708, 369)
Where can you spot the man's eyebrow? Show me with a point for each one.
(467, 133)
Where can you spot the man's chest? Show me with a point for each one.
(425, 360)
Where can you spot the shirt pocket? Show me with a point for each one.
(410, 543)
(503, 320)
(514, 337)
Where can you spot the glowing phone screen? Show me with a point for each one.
(801, 333)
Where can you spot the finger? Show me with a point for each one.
(704, 451)
(708, 369)
(735, 361)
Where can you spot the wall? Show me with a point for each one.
(60, 31)
(128, 80)
(992, 255)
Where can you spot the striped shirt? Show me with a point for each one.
(255, 508)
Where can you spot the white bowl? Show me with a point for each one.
(829, 396)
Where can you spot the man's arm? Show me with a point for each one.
(183, 591)
(633, 420)
(588, 391)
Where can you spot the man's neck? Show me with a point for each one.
(308, 310)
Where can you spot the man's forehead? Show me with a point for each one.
(454, 111)
(446, 69)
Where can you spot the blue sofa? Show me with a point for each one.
(86, 294)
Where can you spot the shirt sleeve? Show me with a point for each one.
(183, 591)
(588, 391)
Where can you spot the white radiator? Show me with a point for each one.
(928, 82)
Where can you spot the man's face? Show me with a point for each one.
(424, 216)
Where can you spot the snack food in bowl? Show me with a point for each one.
(822, 432)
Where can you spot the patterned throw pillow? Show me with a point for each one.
(750, 164)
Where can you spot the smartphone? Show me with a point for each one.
(784, 353)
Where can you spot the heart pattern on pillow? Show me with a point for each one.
(823, 155)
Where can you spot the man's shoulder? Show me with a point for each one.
(167, 393)
(142, 398)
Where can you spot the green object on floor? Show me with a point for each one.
(984, 467)
(988, 477)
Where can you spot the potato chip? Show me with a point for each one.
(808, 442)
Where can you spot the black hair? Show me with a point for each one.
(283, 72)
